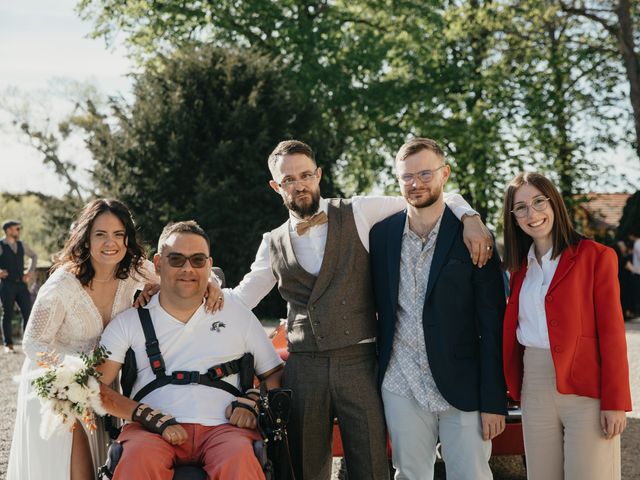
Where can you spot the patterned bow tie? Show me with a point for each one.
(317, 219)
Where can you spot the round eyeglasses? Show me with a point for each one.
(521, 210)
(305, 178)
(425, 176)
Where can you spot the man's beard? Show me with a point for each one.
(306, 210)
(432, 197)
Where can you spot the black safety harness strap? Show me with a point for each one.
(212, 378)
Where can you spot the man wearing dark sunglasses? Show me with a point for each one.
(13, 279)
(189, 418)
(319, 260)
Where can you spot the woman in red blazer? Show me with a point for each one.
(564, 345)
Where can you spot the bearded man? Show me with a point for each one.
(440, 319)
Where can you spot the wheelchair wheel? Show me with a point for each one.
(189, 473)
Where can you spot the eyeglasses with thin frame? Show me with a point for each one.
(177, 260)
(306, 178)
(521, 210)
(425, 176)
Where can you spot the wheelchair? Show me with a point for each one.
(272, 451)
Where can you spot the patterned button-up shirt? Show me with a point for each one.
(408, 373)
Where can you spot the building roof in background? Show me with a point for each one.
(606, 207)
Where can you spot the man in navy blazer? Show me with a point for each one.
(440, 328)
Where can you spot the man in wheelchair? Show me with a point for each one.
(186, 405)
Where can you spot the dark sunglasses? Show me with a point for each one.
(197, 260)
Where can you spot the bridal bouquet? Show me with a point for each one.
(69, 390)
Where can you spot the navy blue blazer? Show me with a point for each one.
(462, 316)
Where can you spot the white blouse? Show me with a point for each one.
(532, 319)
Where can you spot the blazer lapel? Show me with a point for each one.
(394, 250)
(566, 263)
(448, 228)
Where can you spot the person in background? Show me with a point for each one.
(564, 344)
(13, 278)
(625, 277)
(635, 273)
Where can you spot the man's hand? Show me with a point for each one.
(613, 422)
(149, 290)
(3, 274)
(241, 417)
(478, 240)
(175, 434)
(492, 425)
(214, 296)
(26, 277)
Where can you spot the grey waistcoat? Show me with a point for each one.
(336, 308)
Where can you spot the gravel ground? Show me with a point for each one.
(504, 468)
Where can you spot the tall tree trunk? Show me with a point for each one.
(631, 62)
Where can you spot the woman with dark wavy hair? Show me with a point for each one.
(95, 278)
(564, 344)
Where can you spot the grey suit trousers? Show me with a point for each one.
(339, 383)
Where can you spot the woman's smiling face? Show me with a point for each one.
(537, 224)
(107, 240)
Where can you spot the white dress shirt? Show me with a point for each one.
(309, 248)
(532, 319)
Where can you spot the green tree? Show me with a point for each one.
(563, 117)
(195, 143)
(502, 84)
(618, 22)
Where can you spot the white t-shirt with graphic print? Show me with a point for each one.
(204, 341)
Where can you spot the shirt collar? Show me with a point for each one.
(322, 207)
(433, 233)
(531, 255)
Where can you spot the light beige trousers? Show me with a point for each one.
(562, 435)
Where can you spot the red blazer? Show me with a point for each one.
(586, 328)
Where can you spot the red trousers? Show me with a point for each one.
(224, 451)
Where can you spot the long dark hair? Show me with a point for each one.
(77, 253)
(516, 242)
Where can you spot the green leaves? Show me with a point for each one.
(501, 84)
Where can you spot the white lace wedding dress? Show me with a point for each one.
(64, 319)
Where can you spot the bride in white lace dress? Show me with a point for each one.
(101, 267)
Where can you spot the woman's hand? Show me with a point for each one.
(613, 422)
(149, 290)
(214, 296)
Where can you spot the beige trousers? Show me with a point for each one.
(562, 435)
(414, 434)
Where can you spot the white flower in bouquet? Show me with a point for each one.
(69, 390)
